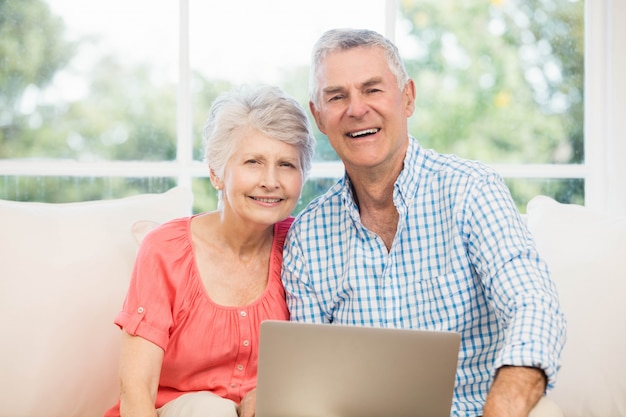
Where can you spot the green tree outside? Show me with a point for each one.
(497, 80)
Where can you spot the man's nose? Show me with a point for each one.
(357, 107)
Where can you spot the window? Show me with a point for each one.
(108, 99)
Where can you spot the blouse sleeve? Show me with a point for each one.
(148, 308)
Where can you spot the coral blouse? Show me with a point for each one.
(207, 347)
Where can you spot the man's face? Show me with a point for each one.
(361, 109)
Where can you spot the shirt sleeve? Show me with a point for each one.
(516, 280)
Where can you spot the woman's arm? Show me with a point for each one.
(140, 367)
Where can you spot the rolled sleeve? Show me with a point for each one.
(518, 282)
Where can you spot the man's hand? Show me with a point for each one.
(515, 391)
(248, 405)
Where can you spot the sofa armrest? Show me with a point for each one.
(64, 272)
(586, 253)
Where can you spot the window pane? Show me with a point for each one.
(270, 43)
(73, 189)
(204, 195)
(567, 191)
(497, 80)
(88, 80)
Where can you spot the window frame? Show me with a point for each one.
(605, 137)
(605, 77)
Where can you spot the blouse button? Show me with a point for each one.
(140, 310)
(246, 342)
(243, 314)
(240, 367)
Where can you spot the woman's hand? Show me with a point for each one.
(248, 405)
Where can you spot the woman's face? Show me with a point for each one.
(262, 179)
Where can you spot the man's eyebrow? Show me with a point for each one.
(367, 83)
(371, 82)
(333, 90)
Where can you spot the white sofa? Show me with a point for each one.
(64, 270)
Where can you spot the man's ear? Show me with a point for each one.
(316, 116)
(409, 96)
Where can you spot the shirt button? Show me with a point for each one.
(246, 342)
(243, 314)
(240, 367)
(233, 385)
(140, 310)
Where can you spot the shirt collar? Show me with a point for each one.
(405, 186)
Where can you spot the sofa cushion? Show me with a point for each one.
(64, 272)
(586, 253)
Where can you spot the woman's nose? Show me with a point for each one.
(270, 178)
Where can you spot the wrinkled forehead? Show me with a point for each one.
(354, 66)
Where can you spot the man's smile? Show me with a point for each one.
(362, 133)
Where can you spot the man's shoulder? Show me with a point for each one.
(454, 161)
(326, 206)
(432, 163)
(324, 202)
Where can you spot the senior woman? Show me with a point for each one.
(202, 284)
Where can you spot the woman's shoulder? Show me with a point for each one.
(173, 231)
(282, 227)
(280, 231)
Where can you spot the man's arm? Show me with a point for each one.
(515, 391)
(517, 280)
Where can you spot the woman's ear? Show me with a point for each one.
(216, 182)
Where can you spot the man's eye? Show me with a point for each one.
(335, 98)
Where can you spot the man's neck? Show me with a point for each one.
(376, 207)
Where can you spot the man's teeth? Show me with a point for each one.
(363, 133)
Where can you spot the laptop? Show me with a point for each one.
(330, 370)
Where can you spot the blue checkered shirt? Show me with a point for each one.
(462, 260)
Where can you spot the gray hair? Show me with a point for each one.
(344, 39)
(264, 109)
